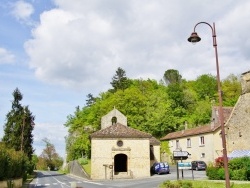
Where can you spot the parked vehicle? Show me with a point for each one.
(198, 165)
(160, 168)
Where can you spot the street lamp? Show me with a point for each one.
(195, 38)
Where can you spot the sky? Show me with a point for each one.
(56, 52)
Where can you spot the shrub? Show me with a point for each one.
(212, 173)
(13, 164)
(83, 161)
(177, 184)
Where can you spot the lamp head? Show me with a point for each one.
(194, 38)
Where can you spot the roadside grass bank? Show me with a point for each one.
(202, 184)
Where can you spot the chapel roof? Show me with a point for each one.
(119, 131)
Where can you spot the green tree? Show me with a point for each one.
(19, 126)
(231, 88)
(206, 86)
(119, 80)
(172, 76)
(90, 100)
(50, 156)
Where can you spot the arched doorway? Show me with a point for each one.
(120, 163)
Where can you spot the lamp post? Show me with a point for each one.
(195, 38)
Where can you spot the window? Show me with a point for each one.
(119, 143)
(202, 155)
(177, 144)
(189, 143)
(202, 141)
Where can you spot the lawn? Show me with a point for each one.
(202, 184)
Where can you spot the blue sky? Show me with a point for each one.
(58, 51)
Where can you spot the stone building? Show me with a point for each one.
(238, 125)
(118, 151)
(203, 142)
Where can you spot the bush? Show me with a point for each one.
(83, 161)
(13, 164)
(177, 184)
(211, 173)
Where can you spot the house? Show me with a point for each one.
(119, 151)
(204, 142)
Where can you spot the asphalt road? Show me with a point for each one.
(52, 179)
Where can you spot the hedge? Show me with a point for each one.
(13, 164)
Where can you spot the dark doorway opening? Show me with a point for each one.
(120, 163)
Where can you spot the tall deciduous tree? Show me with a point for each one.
(119, 80)
(19, 126)
(172, 76)
(50, 156)
(231, 90)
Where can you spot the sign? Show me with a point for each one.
(186, 165)
(180, 155)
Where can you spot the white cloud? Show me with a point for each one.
(22, 10)
(81, 44)
(54, 132)
(6, 56)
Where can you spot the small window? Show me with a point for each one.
(177, 144)
(119, 143)
(202, 141)
(202, 155)
(189, 143)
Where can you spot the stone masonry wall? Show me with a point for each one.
(238, 126)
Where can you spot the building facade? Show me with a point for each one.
(118, 151)
(202, 143)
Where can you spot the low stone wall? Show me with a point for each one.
(76, 169)
(15, 183)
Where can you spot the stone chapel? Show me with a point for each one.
(119, 151)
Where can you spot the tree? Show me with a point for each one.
(206, 86)
(119, 80)
(172, 76)
(49, 155)
(90, 100)
(19, 126)
(231, 90)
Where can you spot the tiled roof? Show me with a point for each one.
(153, 141)
(189, 132)
(201, 129)
(120, 131)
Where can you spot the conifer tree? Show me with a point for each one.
(19, 126)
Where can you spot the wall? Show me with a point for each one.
(104, 150)
(196, 149)
(238, 126)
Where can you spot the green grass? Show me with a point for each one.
(210, 184)
(87, 167)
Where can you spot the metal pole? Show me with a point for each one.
(221, 118)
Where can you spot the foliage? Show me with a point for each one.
(13, 164)
(49, 157)
(149, 106)
(206, 86)
(239, 169)
(231, 88)
(219, 162)
(172, 76)
(119, 80)
(206, 184)
(19, 126)
(83, 161)
(176, 184)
